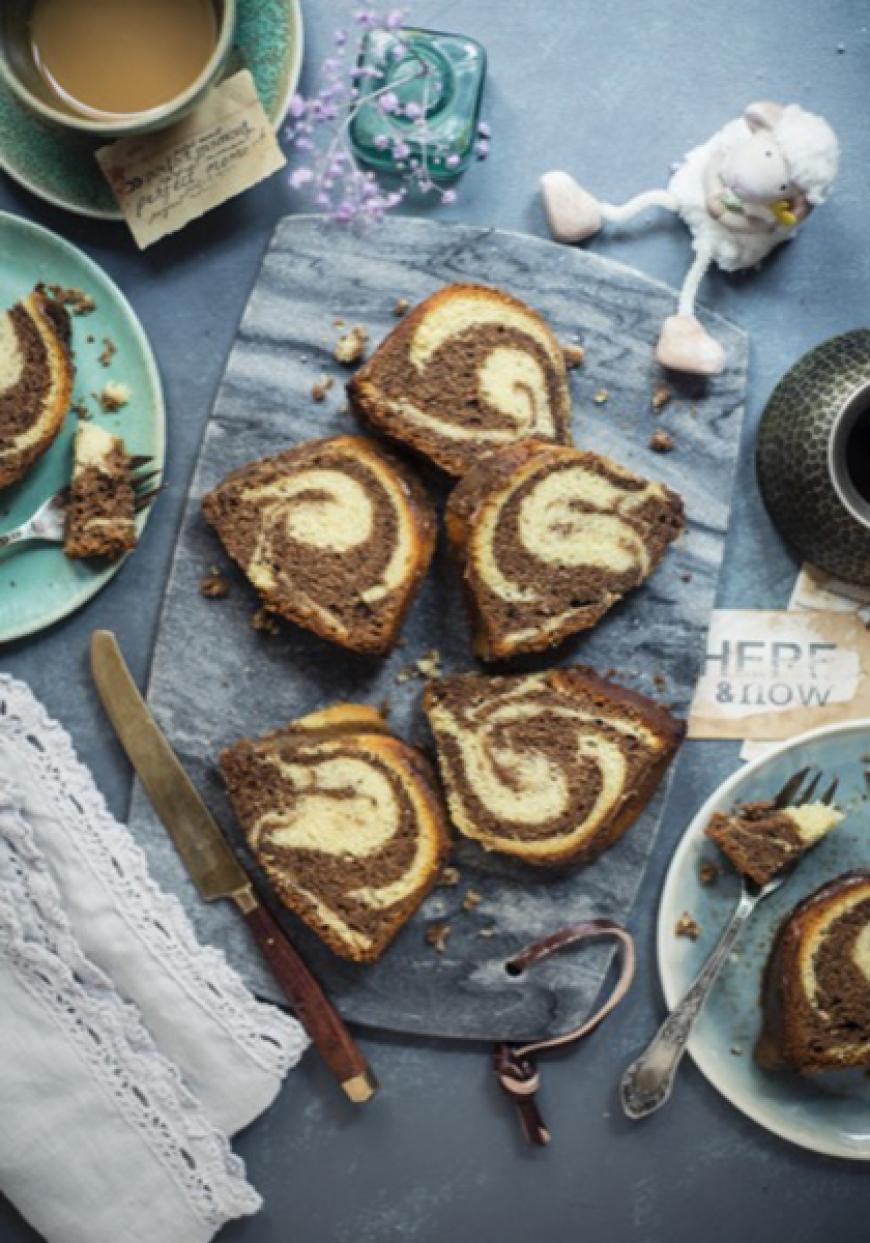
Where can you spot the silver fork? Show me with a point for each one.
(49, 521)
(647, 1083)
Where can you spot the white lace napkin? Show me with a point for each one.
(127, 1050)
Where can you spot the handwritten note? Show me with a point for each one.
(771, 675)
(162, 181)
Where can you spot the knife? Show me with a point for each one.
(214, 868)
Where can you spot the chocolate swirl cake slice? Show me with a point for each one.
(36, 378)
(336, 535)
(346, 822)
(552, 767)
(100, 519)
(549, 538)
(468, 370)
(762, 840)
(816, 986)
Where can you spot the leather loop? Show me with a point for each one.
(517, 1072)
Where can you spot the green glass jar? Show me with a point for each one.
(426, 90)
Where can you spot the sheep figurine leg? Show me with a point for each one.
(743, 192)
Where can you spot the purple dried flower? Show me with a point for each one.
(448, 197)
(300, 177)
(413, 110)
(481, 149)
(389, 102)
(484, 130)
(395, 18)
(298, 107)
(381, 141)
(453, 161)
(401, 150)
(304, 144)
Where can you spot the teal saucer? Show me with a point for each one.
(59, 166)
(38, 584)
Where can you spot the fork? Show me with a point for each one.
(647, 1083)
(49, 521)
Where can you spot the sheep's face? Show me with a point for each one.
(756, 170)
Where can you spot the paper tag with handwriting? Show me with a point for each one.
(162, 181)
(769, 675)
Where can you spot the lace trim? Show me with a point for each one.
(37, 942)
(272, 1040)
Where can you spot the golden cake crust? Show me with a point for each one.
(551, 768)
(468, 370)
(346, 821)
(335, 535)
(540, 599)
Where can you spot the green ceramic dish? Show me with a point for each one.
(59, 166)
(38, 584)
(813, 456)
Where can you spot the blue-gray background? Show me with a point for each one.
(614, 92)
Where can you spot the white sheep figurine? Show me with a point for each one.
(741, 193)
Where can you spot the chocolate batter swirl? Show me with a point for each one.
(548, 767)
(550, 538)
(344, 821)
(335, 535)
(469, 370)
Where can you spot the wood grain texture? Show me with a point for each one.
(214, 678)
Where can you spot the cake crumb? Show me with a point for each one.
(81, 409)
(736, 1050)
(488, 932)
(79, 302)
(113, 397)
(687, 926)
(686, 578)
(429, 666)
(338, 322)
(660, 682)
(214, 586)
(601, 397)
(437, 936)
(707, 872)
(448, 878)
(662, 441)
(109, 351)
(265, 621)
(573, 355)
(401, 307)
(351, 347)
(322, 387)
(471, 900)
(661, 396)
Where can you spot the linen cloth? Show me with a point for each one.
(128, 1052)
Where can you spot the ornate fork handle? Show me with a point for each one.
(16, 536)
(648, 1081)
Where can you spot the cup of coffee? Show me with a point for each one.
(110, 68)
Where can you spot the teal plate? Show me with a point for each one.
(828, 1113)
(38, 584)
(59, 166)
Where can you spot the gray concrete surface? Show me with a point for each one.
(614, 91)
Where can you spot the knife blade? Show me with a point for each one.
(213, 867)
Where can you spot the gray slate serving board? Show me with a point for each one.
(214, 678)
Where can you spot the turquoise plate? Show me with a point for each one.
(38, 584)
(59, 166)
(827, 1113)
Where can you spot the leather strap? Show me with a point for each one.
(514, 1063)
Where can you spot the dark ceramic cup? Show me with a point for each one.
(813, 456)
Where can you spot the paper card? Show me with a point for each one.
(163, 181)
(772, 674)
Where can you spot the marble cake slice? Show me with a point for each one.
(36, 379)
(762, 841)
(816, 984)
(551, 768)
(101, 519)
(548, 538)
(335, 535)
(345, 820)
(469, 370)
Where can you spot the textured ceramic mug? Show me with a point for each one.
(20, 73)
(813, 456)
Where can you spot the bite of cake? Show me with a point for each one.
(335, 535)
(101, 519)
(345, 820)
(551, 768)
(469, 370)
(549, 538)
(762, 841)
(36, 379)
(816, 986)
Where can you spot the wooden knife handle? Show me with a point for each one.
(312, 1007)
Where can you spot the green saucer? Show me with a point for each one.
(38, 583)
(59, 166)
